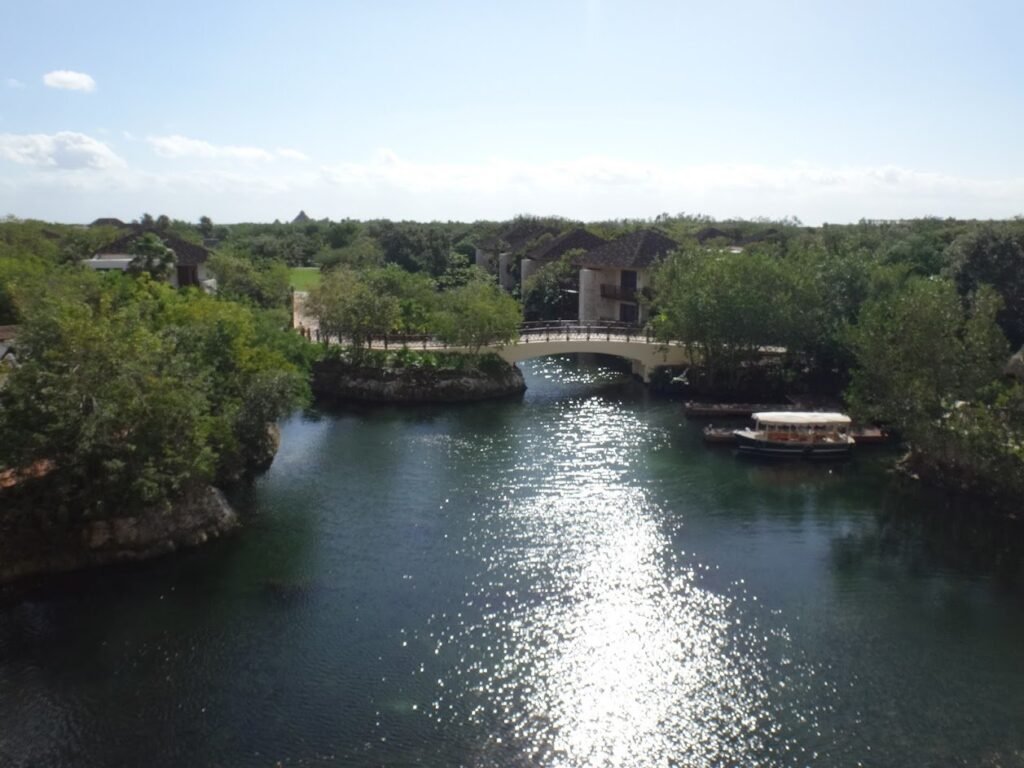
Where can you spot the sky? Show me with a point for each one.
(591, 109)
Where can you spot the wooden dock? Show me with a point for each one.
(698, 410)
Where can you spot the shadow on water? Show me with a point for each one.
(876, 516)
(568, 579)
(922, 531)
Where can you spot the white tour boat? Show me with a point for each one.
(797, 434)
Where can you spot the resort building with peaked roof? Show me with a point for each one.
(189, 258)
(497, 254)
(578, 239)
(614, 275)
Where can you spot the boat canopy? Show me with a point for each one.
(801, 417)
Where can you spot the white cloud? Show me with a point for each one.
(65, 150)
(13, 82)
(176, 146)
(67, 80)
(598, 187)
(387, 185)
(291, 154)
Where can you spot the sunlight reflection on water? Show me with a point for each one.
(591, 641)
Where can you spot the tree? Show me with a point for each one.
(416, 294)
(263, 285)
(834, 284)
(415, 247)
(922, 252)
(546, 291)
(206, 226)
(478, 314)
(461, 270)
(123, 419)
(151, 257)
(993, 255)
(251, 366)
(17, 274)
(24, 238)
(919, 352)
(360, 253)
(931, 367)
(726, 307)
(348, 308)
(342, 234)
(135, 392)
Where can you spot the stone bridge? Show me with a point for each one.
(634, 344)
(541, 339)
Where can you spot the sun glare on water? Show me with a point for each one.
(594, 642)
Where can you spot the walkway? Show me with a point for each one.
(546, 338)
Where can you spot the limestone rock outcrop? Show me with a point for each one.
(36, 544)
(334, 380)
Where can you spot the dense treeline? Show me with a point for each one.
(910, 322)
(359, 305)
(128, 393)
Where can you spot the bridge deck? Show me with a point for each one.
(538, 340)
(544, 338)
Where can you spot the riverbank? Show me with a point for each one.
(509, 556)
(997, 488)
(35, 542)
(414, 377)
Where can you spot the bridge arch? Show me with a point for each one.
(543, 339)
(642, 358)
(644, 353)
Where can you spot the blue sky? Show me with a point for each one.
(464, 110)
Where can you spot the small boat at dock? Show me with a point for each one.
(695, 409)
(870, 436)
(719, 435)
(796, 434)
(861, 435)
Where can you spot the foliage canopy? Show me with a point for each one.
(136, 392)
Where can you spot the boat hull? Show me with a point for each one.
(792, 449)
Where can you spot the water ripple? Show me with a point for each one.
(587, 640)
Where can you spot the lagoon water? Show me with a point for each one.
(570, 579)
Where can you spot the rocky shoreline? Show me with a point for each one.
(39, 542)
(337, 380)
(54, 548)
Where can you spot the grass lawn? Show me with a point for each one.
(304, 278)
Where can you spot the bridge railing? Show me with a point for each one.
(597, 330)
(531, 332)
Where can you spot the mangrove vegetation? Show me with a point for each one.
(129, 393)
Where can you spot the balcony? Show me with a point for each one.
(617, 292)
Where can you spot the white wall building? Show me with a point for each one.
(190, 259)
(613, 276)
